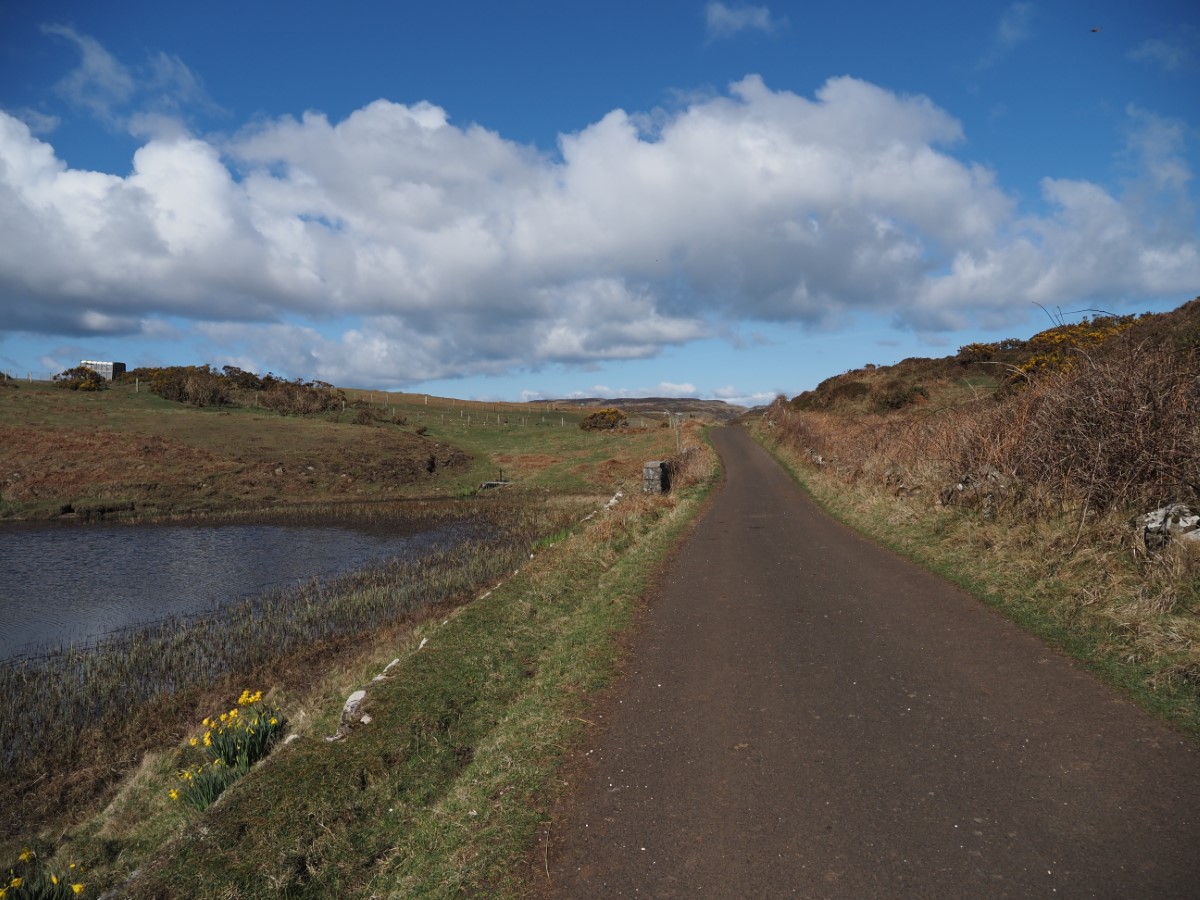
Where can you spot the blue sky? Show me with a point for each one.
(533, 200)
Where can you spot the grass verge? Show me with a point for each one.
(1131, 621)
(442, 793)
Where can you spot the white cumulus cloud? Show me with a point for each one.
(395, 246)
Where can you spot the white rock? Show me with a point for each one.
(350, 715)
(353, 702)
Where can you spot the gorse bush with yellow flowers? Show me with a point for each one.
(232, 742)
(31, 879)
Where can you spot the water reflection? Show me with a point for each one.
(62, 585)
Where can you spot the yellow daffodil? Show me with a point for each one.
(174, 794)
(194, 741)
(77, 888)
(16, 882)
(26, 855)
(53, 878)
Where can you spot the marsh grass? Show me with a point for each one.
(444, 792)
(71, 717)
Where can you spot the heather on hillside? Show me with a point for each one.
(1102, 415)
(1114, 432)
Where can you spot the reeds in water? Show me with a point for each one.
(60, 711)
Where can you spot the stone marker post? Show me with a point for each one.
(656, 477)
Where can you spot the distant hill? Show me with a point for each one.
(717, 410)
(984, 368)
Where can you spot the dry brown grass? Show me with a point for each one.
(127, 452)
(1117, 432)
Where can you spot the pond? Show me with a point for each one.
(64, 585)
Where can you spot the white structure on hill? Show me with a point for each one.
(109, 370)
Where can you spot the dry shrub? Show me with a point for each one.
(197, 385)
(1117, 431)
(604, 419)
(80, 378)
(693, 465)
(300, 398)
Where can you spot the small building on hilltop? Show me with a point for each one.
(109, 370)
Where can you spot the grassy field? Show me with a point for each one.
(442, 794)
(129, 453)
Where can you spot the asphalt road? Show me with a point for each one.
(806, 714)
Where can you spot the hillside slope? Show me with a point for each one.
(984, 368)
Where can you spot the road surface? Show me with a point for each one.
(806, 714)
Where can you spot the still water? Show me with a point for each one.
(64, 585)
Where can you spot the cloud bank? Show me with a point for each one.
(395, 246)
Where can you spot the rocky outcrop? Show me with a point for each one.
(982, 490)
